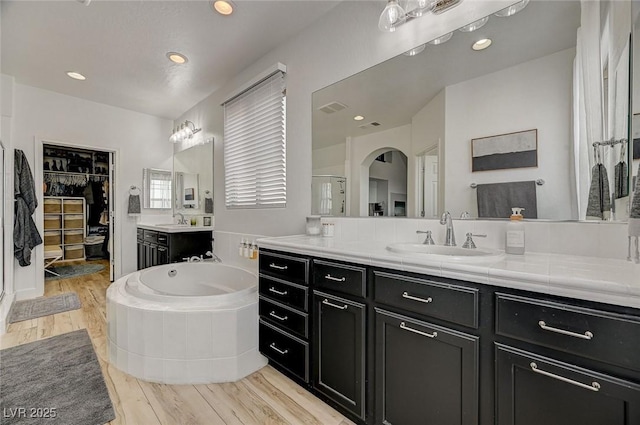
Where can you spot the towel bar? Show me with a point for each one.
(539, 182)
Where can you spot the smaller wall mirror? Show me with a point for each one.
(156, 188)
(187, 190)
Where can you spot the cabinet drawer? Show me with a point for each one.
(163, 239)
(456, 304)
(150, 236)
(284, 317)
(599, 335)
(284, 267)
(284, 349)
(140, 234)
(286, 293)
(339, 277)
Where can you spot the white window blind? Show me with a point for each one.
(255, 146)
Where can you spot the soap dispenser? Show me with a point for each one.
(514, 238)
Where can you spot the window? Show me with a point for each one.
(255, 146)
(156, 188)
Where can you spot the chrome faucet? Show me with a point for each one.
(213, 258)
(428, 240)
(450, 237)
(181, 220)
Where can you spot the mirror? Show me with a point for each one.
(156, 188)
(193, 179)
(635, 119)
(465, 118)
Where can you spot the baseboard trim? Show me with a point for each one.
(5, 306)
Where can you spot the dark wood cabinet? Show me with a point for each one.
(535, 390)
(155, 248)
(339, 354)
(425, 374)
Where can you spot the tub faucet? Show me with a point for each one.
(213, 258)
(450, 237)
(195, 259)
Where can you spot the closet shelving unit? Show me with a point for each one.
(65, 225)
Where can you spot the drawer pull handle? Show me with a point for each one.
(277, 350)
(341, 307)
(335, 279)
(411, 297)
(277, 267)
(281, 318)
(415, 331)
(275, 291)
(595, 386)
(586, 335)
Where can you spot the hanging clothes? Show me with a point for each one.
(25, 233)
(621, 172)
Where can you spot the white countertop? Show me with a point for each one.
(597, 279)
(175, 228)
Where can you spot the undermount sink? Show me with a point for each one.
(451, 253)
(172, 225)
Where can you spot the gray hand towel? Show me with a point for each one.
(634, 213)
(208, 205)
(599, 203)
(621, 180)
(496, 200)
(134, 204)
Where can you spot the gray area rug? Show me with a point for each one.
(56, 380)
(66, 272)
(43, 306)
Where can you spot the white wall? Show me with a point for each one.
(475, 108)
(343, 42)
(141, 141)
(330, 160)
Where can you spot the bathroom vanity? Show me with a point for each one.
(392, 339)
(158, 244)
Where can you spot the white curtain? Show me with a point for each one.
(588, 100)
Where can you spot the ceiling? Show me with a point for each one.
(392, 92)
(121, 47)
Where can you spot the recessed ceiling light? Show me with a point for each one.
(481, 44)
(76, 75)
(358, 118)
(177, 58)
(223, 7)
(415, 50)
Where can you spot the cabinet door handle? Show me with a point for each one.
(411, 297)
(277, 267)
(595, 386)
(275, 291)
(281, 318)
(277, 350)
(335, 279)
(587, 335)
(415, 331)
(341, 307)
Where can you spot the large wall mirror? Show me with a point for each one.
(469, 123)
(193, 180)
(635, 119)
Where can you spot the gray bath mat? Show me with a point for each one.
(56, 380)
(43, 306)
(66, 272)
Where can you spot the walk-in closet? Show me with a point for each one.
(77, 203)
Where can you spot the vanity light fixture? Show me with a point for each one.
(184, 131)
(441, 39)
(76, 75)
(395, 15)
(223, 7)
(358, 118)
(475, 25)
(178, 58)
(481, 44)
(512, 10)
(415, 50)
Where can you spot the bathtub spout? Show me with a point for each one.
(213, 258)
(195, 259)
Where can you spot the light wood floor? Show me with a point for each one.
(265, 397)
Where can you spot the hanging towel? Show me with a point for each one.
(208, 205)
(634, 213)
(599, 203)
(25, 233)
(621, 180)
(134, 204)
(495, 200)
